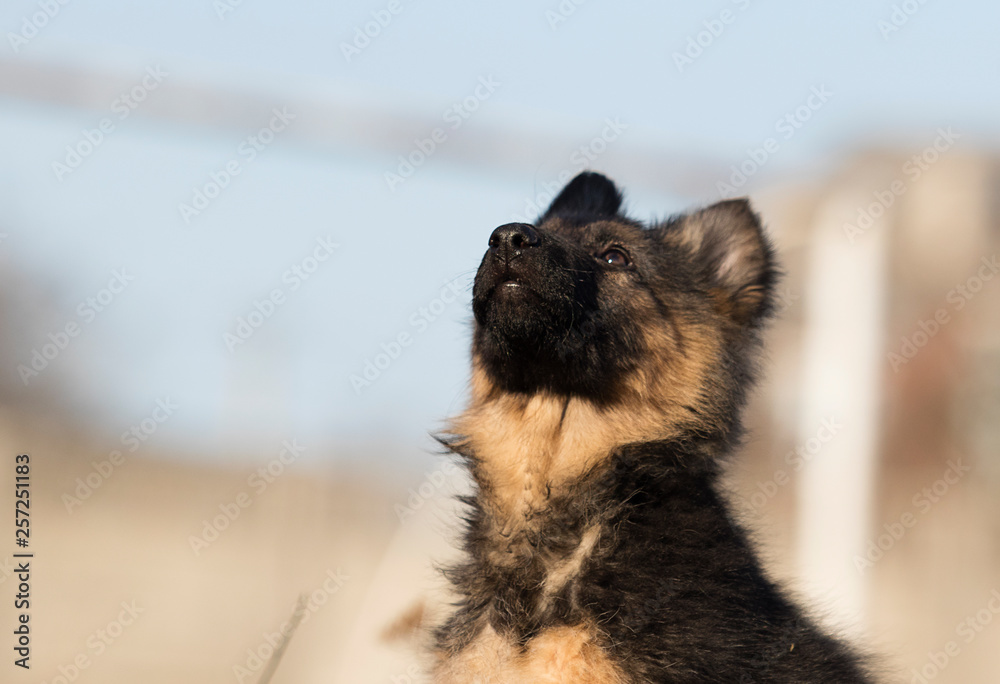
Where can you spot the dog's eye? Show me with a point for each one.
(615, 257)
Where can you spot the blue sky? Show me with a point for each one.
(164, 334)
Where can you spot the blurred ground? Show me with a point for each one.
(327, 535)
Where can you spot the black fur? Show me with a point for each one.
(588, 195)
(678, 588)
(673, 582)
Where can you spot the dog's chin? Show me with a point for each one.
(512, 313)
(520, 355)
(516, 336)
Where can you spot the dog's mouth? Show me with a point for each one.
(523, 295)
(509, 280)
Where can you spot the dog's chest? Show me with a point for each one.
(532, 627)
(558, 655)
(539, 583)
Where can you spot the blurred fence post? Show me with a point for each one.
(842, 363)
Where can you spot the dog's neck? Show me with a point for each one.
(527, 446)
(531, 566)
(527, 449)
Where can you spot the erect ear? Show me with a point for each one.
(589, 194)
(731, 251)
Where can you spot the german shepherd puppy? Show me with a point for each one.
(610, 364)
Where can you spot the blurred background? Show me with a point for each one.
(237, 239)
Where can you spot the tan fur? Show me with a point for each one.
(743, 262)
(406, 626)
(562, 573)
(530, 447)
(561, 655)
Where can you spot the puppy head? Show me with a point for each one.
(589, 304)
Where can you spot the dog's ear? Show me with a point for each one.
(589, 194)
(732, 253)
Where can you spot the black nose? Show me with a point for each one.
(509, 240)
